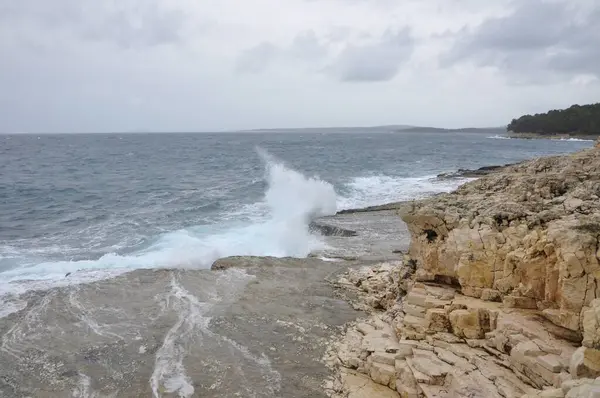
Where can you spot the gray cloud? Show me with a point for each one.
(187, 65)
(379, 61)
(257, 58)
(539, 41)
(126, 23)
(304, 47)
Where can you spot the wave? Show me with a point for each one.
(290, 201)
(499, 137)
(381, 189)
(574, 140)
(277, 225)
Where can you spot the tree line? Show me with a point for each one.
(577, 119)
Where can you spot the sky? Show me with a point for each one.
(218, 65)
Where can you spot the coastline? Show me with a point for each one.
(392, 320)
(534, 136)
(482, 303)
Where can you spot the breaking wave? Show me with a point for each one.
(290, 201)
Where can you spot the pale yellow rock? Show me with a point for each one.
(491, 295)
(418, 325)
(361, 386)
(416, 298)
(452, 359)
(365, 328)
(384, 358)
(568, 385)
(591, 325)
(586, 390)
(438, 320)
(585, 363)
(430, 365)
(442, 365)
(373, 344)
(432, 302)
(528, 231)
(551, 393)
(383, 374)
(550, 362)
(406, 384)
(519, 302)
(471, 324)
(414, 310)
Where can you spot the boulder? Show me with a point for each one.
(438, 320)
(471, 323)
(591, 325)
(585, 362)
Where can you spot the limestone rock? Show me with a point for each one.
(492, 351)
(519, 302)
(406, 384)
(585, 362)
(471, 324)
(438, 320)
(591, 325)
(527, 233)
(361, 386)
(491, 295)
(585, 390)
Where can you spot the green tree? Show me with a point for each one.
(577, 119)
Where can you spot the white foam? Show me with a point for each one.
(169, 372)
(10, 307)
(377, 190)
(499, 137)
(192, 323)
(290, 201)
(574, 140)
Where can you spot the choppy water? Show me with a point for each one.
(107, 203)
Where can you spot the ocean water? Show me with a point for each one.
(96, 205)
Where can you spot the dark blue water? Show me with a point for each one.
(107, 202)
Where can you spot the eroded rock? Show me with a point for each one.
(527, 234)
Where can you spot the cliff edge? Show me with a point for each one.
(528, 236)
(499, 295)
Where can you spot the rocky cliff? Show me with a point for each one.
(499, 295)
(528, 236)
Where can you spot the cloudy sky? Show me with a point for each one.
(213, 65)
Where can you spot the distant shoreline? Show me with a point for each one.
(535, 136)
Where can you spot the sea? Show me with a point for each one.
(92, 206)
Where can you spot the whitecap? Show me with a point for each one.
(290, 201)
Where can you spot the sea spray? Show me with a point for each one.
(291, 200)
(291, 194)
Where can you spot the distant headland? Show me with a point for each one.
(577, 121)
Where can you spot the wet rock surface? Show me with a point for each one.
(380, 235)
(257, 331)
(476, 173)
(250, 327)
(377, 208)
(330, 230)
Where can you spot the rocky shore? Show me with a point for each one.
(490, 291)
(498, 296)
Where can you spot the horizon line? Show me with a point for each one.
(398, 129)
